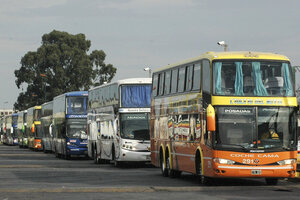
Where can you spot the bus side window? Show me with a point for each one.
(184, 127)
(206, 77)
(181, 79)
(174, 79)
(176, 129)
(206, 84)
(155, 85)
(193, 127)
(206, 133)
(198, 128)
(167, 82)
(161, 80)
(197, 77)
(171, 127)
(189, 77)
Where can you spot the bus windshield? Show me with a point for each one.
(76, 105)
(76, 129)
(239, 129)
(135, 126)
(252, 78)
(37, 114)
(38, 131)
(135, 96)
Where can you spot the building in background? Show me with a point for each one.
(5, 112)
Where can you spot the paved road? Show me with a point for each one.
(25, 174)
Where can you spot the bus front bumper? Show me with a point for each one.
(71, 150)
(240, 171)
(134, 156)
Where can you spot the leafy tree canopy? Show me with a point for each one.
(61, 64)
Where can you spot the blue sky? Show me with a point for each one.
(146, 33)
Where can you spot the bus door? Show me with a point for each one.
(105, 144)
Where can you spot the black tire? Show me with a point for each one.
(56, 154)
(171, 172)
(177, 174)
(163, 167)
(44, 150)
(200, 177)
(118, 163)
(66, 156)
(96, 160)
(271, 181)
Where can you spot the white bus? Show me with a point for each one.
(118, 121)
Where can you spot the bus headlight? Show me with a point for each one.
(287, 162)
(223, 161)
(128, 147)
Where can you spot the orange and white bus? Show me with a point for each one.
(225, 115)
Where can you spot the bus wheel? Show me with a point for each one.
(271, 181)
(200, 177)
(171, 172)
(163, 168)
(117, 163)
(55, 152)
(96, 161)
(177, 174)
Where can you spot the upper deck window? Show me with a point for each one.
(155, 85)
(206, 76)
(136, 96)
(76, 105)
(197, 77)
(174, 79)
(167, 82)
(37, 114)
(257, 78)
(181, 79)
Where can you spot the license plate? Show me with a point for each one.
(256, 172)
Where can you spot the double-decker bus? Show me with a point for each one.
(6, 128)
(21, 129)
(228, 114)
(1, 128)
(34, 128)
(118, 121)
(14, 132)
(69, 124)
(46, 126)
(8, 139)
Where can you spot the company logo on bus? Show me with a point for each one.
(253, 155)
(76, 116)
(237, 111)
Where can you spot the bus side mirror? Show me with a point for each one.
(32, 128)
(211, 118)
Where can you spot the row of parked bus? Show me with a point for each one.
(106, 123)
(228, 114)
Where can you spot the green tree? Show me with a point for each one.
(103, 72)
(61, 64)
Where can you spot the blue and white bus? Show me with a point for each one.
(118, 122)
(69, 124)
(14, 132)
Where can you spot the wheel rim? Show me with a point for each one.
(168, 165)
(163, 166)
